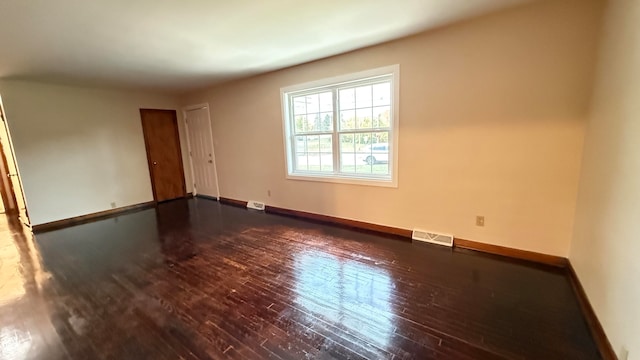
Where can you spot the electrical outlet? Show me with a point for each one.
(269, 193)
(479, 220)
(113, 205)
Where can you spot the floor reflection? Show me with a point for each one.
(11, 278)
(14, 343)
(174, 233)
(25, 331)
(362, 294)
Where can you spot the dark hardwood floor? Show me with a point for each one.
(199, 280)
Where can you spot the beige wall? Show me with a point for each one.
(492, 115)
(606, 240)
(79, 149)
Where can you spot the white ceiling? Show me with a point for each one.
(178, 45)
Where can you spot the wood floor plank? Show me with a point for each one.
(194, 279)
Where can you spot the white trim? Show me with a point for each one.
(24, 216)
(213, 151)
(341, 80)
(186, 129)
(344, 179)
(195, 107)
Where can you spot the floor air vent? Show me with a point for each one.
(431, 237)
(256, 205)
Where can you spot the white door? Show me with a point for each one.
(205, 179)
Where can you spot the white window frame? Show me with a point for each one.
(360, 179)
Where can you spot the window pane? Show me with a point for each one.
(326, 150)
(313, 143)
(381, 138)
(371, 156)
(347, 120)
(382, 94)
(314, 153)
(313, 103)
(363, 151)
(363, 164)
(300, 123)
(314, 161)
(326, 121)
(381, 116)
(347, 153)
(363, 96)
(348, 162)
(380, 169)
(363, 118)
(326, 145)
(361, 140)
(373, 169)
(347, 99)
(299, 105)
(326, 102)
(320, 162)
(313, 122)
(326, 162)
(301, 144)
(301, 161)
(346, 143)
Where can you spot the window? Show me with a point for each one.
(344, 129)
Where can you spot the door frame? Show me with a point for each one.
(213, 150)
(5, 123)
(7, 193)
(150, 162)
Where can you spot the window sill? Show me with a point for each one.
(344, 179)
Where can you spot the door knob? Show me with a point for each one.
(155, 163)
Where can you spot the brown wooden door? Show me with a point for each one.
(160, 128)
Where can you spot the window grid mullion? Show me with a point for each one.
(364, 131)
(335, 136)
(292, 140)
(313, 133)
